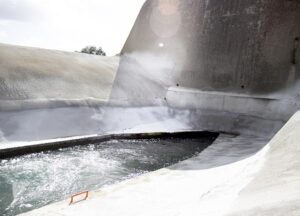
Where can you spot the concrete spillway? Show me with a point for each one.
(261, 184)
(186, 65)
(233, 62)
(38, 87)
(273, 189)
(207, 65)
(32, 78)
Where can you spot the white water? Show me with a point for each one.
(206, 184)
(35, 180)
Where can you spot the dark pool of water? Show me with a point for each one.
(35, 180)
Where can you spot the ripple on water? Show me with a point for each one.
(35, 180)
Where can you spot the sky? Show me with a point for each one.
(68, 24)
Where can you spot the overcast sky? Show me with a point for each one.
(68, 24)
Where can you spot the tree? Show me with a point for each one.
(93, 50)
(100, 52)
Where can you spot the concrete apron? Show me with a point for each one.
(228, 178)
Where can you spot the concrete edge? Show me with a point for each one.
(35, 147)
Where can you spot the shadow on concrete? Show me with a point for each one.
(226, 149)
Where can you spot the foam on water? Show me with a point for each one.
(34, 180)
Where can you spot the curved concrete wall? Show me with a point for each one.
(272, 190)
(35, 78)
(49, 94)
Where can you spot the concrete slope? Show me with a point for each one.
(35, 78)
(48, 94)
(275, 189)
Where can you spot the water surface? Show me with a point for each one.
(35, 180)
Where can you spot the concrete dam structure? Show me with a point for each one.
(214, 55)
(226, 66)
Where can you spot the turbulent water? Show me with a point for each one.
(34, 180)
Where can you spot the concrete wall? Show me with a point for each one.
(222, 58)
(244, 46)
(215, 65)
